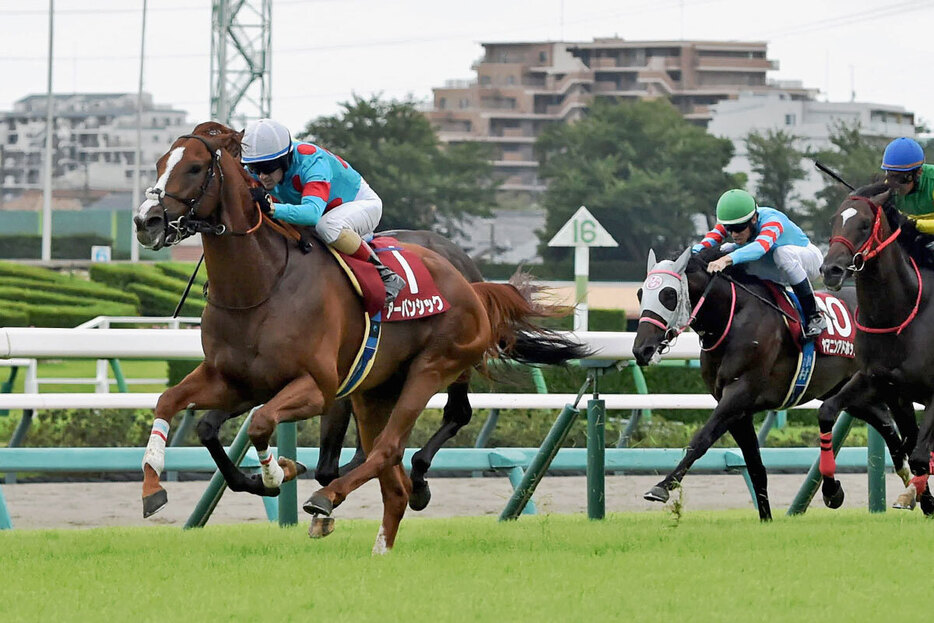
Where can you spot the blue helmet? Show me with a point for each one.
(903, 154)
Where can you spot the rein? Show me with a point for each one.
(867, 251)
(897, 330)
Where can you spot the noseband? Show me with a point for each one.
(873, 245)
(189, 223)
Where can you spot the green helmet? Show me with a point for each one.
(735, 206)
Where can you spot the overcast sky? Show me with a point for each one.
(326, 50)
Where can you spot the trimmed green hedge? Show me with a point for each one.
(42, 297)
(72, 247)
(122, 275)
(156, 302)
(13, 316)
(183, 270)
(23, 271)
(75, 287)
(73, 315)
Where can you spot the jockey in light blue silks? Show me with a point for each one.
(312, 186)
(771, 245)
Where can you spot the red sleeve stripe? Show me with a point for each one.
(317, 189)
(774, 225)
(771, 233)
(765, 245)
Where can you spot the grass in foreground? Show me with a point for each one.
(722, 566)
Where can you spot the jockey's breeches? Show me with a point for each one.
(361, 215)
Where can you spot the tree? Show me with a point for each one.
(854, 157)
(422, 184)
(640, 168)
(777, 161)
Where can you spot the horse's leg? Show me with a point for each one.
(903, 412)
(208, 429)
(880, 419)
(733, 405)
(920, 464)
(744, 432)
(299, 400)
(457, 414)
(426, 376)
(860, 394)
(203, 388)
(334, 423)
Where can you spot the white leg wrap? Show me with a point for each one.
(379, 548)
(272, 472)
(155, 449)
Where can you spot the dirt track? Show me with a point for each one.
(86, 505)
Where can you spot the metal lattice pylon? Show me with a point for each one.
(241, 60)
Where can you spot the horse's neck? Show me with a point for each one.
(714, 315)
(242, 268)
(887, 288)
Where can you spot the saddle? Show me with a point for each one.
(837, 339)
(420, 298)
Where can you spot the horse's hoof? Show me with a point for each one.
(421, 496)
(318, 504)
(320, 527)
(657, 493)
(906, 499)
(154, 502)
(833, 498)
(292, 469)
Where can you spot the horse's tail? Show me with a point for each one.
(515, 334)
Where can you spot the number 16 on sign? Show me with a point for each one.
(582, 231)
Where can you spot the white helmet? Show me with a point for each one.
(264, 140)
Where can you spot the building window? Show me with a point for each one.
(543, 57)
(485, 81)
(465, 102)
(789, 119)
(442, 103)
(510, 80)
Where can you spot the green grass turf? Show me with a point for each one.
(86, 369)
(709, 566)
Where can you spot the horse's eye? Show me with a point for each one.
(194, 169)
(669, 298)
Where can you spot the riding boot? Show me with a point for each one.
(814, 321)
(393, 282)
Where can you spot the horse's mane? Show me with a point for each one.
(699, 261)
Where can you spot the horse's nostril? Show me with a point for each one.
(153, 222)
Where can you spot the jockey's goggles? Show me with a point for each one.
(901, 177)
(265, 167)
(736, 228)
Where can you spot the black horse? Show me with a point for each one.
(874, 242)
(748, 360)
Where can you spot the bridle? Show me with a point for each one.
(190, 223)
(868, 250)
(873, 245)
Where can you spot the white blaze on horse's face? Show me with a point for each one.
(847, 214)
(152, 194)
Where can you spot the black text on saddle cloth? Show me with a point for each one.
(837, 338)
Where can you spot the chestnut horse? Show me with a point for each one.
(282, 329)
(748, 361)
(894, 338)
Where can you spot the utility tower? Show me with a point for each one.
(241, 60)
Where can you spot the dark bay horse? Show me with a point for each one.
(895, 335)
(748, 360)
(282, 329)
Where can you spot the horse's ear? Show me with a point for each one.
(639, 295)
(682, 262)
(652, 261)
(882, 197)
(231, 143)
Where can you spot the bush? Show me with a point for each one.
(74, 287)
(73, 315)
(42, 297)
(179, 369)
(33, 273)
(123, 275)
(13, 316)
(183, 270)
(156, 302)
(76, 246)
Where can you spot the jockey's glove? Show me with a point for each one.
(262, 199)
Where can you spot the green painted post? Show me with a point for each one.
(487, 429)
(782, 420)
(596, 459)
(540, 462)
(767, 425)
(875, 471)
(641, 387)
(813, 480)
(539, 379)
(22, 427)
(118, 376)
(7, 387)
(286, 434)
(212, 495)
(6, 523)
(515, 479)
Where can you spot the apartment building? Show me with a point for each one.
(809, 121)
(94, 141)
(520, 88)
